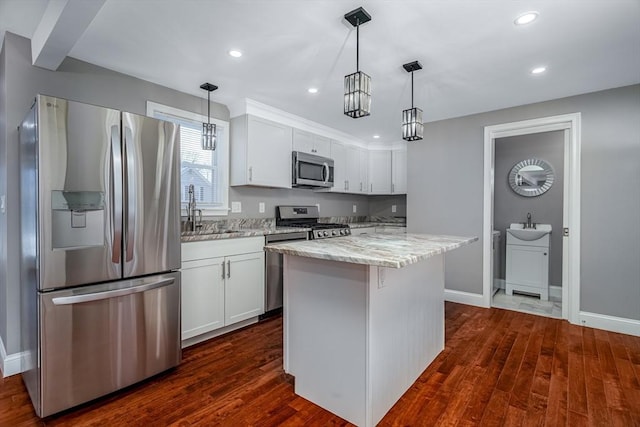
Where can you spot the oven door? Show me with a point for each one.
(311, 171)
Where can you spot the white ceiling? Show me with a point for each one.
(475, 59)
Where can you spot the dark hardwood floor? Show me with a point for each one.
(498, 368)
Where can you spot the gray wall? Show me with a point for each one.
(3, 190)
(80, 81)
(381, 205)
(545, 209)
(445, 193)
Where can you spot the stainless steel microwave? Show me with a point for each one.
(311, 171)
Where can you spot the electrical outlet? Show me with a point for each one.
(394, 208)
(355, 208)
(261, 207)
(318, 206)
(236, 207)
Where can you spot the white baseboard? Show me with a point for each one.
(217, 332)
(10, 364)
(463, 297)
(555, 291)
(610, 323)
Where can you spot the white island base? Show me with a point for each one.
(357, 336)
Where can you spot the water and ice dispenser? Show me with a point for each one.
(77, 219)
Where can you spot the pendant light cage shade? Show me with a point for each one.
(209, 136)
(357, 95)
(208, 129)
(412, 126)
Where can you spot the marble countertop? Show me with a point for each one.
(381, 249)
(195, 236)
(376, 224)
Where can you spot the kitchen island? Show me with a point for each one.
(363, 317)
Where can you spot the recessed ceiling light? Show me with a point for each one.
(376, 136)
(526, 18)
(538, 70)
(235, 53)
(312, 90)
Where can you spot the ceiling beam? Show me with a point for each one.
(62, 24)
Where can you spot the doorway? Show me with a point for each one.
(569, 126)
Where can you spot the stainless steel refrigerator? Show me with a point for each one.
(100, 250)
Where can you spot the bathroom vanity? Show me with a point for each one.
(527, 261)
(363, 317)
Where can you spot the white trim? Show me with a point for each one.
(217, 332)
(223, 148)
(555, 292)
(258, 109)
(610, 323)
(461, 297)
(10, 364)
(571, 123)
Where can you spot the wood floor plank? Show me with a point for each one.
(498, 367)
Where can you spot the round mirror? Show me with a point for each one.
(531, 177)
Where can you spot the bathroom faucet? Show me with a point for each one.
(191, 210)
(529, 224)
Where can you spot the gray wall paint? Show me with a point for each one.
(381, 205)
(3, 190)
(445, 193)
(545, 209)
(91, 84)
(74, 80)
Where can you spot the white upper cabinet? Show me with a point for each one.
(339, 155)
(364, 170)
(380, 172)
(399, 171)
(350, 168)
(311, 143)
(260, 152)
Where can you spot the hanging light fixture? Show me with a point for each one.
(208, 129)
(412, 127)
(357, 86)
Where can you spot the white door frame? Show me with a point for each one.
(570, 124)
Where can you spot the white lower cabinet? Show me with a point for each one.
(222, 283)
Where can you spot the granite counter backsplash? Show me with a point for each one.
(246, 227)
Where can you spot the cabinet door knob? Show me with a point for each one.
(544, 253)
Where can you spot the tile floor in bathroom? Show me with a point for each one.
(528, 304)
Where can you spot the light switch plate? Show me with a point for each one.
(394, 208)
(2, 206)
(318, 206)
(236, 207)
(261, 207)
(355, 208)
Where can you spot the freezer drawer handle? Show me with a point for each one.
(111, 294)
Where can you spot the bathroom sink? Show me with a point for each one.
(518, 231)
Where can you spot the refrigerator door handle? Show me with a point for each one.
(132, 196)
(116, 193)
(97, 296)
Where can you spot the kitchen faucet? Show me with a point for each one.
(191, 210)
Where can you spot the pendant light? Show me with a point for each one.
(412, 127)
(208, 129)
(357, 86)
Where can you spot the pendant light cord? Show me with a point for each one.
(412, 89)
(209, 107)
(358, 45)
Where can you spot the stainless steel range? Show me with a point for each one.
(307, 217)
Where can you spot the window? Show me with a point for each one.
(207, 171)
